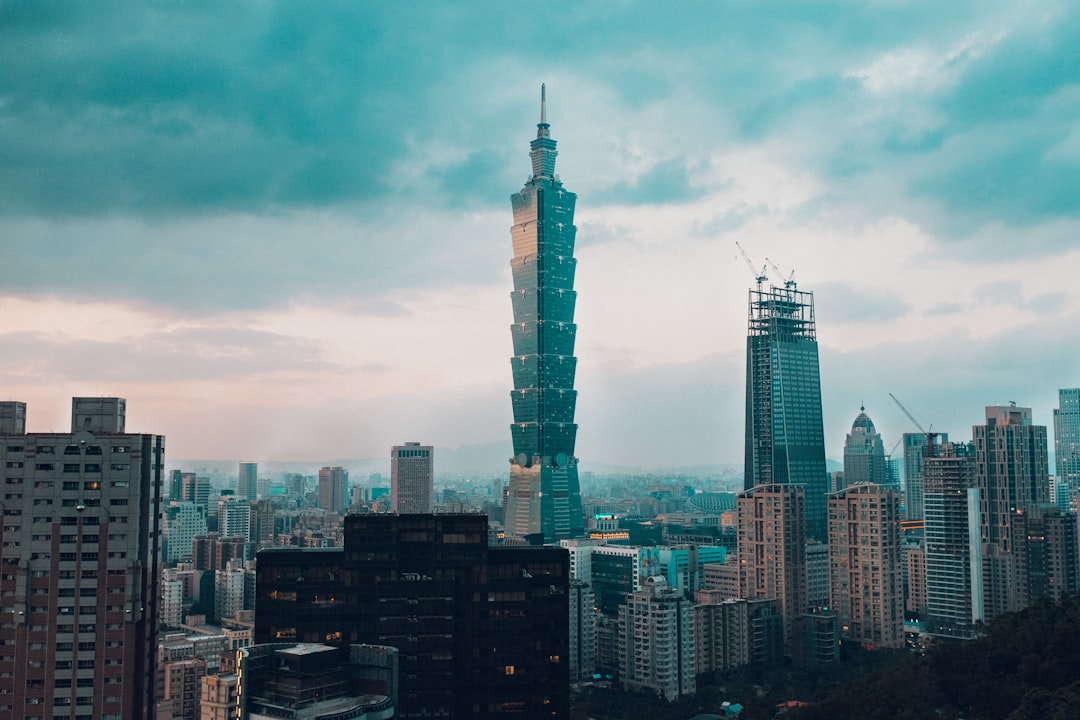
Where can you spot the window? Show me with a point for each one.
(71, 467)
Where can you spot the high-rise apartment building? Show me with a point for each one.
(953, 546)
(1067, 442)
(656, 633)
(234, 517)
(183, 521)
(772, 549)
(865, 576)
(1011, 467)
(412, 477)
(332, 494)
(915, 445)
(785, 439)
(582, 631)
(79, 565)
(247, 485)
(864, 453)
(544, 498)
(1012, 474)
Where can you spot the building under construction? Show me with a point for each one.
(785, 440)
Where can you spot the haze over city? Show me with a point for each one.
(281, 231)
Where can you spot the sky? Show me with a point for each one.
(281, 230)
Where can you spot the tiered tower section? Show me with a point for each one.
(544, 497)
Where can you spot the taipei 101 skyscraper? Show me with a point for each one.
(544, 497)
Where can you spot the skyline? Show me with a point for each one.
(255, 222)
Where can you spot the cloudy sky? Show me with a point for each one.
(281, 229)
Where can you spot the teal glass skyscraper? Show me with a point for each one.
(544, 497)
(785, 439)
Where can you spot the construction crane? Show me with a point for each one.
(910, 417)
(759, 276)
(790, 281)
(930, 434)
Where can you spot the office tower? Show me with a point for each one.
(234, 517)
(785, 440)
(582, 631)
(657, 638)
(79, 587)
(412, 475)
(772, 549)
(953, 550)
(865, 577)
(189, 487)
(318, 682)
(412, 582)
(864, 453)
(332, 495)
(247, 485)
(1067, 440)
(183, 521)
(544, 498)
(914, 448)
(1012, 474)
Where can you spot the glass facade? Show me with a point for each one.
(544, 495)
(785, 439)
(1067, 444)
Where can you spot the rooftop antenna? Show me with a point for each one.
(543, 103)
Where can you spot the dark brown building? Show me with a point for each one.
(481, 632)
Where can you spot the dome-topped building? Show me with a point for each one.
(864, 453)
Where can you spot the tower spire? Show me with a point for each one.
(542, 149)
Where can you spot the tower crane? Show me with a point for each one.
(930, 434)
(759, 276)
(789, 282)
